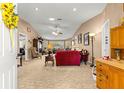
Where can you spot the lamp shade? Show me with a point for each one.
(49, 45)
(92, 34)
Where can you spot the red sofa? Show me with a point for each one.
(65, 58)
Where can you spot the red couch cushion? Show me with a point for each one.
(67, 58)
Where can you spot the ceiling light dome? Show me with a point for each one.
(74, 9)
(36, 9)
(51, 19)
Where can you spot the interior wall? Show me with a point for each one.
(54, 43)
(113, 12)
(62, 43)
(94, 25)
(68, 43)
(26, 29)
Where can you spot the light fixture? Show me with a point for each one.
(51, 19)
(54, 33)
(36, 9)
(92, 34)
(74, 9)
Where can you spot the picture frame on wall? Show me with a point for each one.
(80, 38)
(86, 39)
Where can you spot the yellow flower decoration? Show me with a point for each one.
(9, 17)
(9, 7)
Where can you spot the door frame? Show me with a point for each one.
(26, 45)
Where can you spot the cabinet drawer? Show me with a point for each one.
(102, 68)
(101, 83)
(101, 76)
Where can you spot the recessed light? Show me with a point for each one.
(51, 19)
(74, 9)
(36, 9)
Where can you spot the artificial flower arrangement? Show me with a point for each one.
(9, 18)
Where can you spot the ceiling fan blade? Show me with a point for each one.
(60, 33)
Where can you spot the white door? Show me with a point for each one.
(8, 65)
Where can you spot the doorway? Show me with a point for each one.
(23, 46)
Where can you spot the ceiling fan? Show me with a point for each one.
(57, 30)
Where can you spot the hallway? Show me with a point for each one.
(34, 74)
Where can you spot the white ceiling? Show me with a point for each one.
(70, 22)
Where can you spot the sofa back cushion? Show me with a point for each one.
(68, 57)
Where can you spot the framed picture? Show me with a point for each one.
(80, 38)
(86, 39)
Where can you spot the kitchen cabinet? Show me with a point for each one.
(117, 37)
(114, 38)
(109, 74)
(121, 37)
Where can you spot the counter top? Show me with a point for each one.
(112, 62)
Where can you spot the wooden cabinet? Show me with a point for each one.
(117, 37)
(121, 37)
(116, 78)
(114, 38)
(102, 75)
(35, 43)
(113, 78)
(109, 76)
(121, 79)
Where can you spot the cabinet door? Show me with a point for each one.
(101, 83)
(114, 38)
(121, 79)
(121, 37)
(113, 78)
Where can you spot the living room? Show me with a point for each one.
(87, 39)
(62, 46)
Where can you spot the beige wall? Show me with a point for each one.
(53, 43)
(94, 25)
(68, 43)
(113, 12)
(22, 28)
(62, 43)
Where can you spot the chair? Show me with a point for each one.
(49, 58)
(84, 56)
(34, 53)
